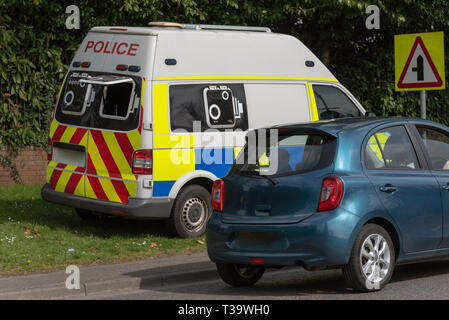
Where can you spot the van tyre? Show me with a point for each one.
(372, 260)
(87, 215)
(190, 213)
(239, 275)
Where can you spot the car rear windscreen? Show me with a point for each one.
(286, 154)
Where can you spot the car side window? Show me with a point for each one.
(436, 144)
(390, 148)
(333, 103)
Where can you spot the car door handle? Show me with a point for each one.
(388, 188)
(446, 187)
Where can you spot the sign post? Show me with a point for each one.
(419, 64)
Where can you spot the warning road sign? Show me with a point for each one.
(419, 61)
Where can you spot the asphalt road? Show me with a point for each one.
(418, 281)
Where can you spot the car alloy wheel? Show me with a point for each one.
(375, 258)
(372, 259)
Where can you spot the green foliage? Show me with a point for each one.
(35, 47)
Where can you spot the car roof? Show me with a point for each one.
(335, 126)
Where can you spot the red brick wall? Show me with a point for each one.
(31, 163)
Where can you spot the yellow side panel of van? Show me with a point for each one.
(237, 151)
(160, 109)
(171, 164)
(173, 141)
(312, 105)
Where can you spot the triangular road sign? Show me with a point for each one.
(419, 70)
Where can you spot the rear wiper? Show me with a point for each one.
(252, 173)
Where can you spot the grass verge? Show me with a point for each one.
(37, 236)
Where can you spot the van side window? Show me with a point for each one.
(276, 103)
(217, 106)
(436, 144)
(390, 148)
(117, 100)
(333, 103)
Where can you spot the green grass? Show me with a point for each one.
(38, 236)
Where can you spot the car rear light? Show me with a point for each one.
(218, 195)
(50, 150)
(143, 161)
(331, 193)
(257, 260)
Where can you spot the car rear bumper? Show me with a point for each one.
(324, 240)
(153, 208)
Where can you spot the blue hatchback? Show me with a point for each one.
(359, 194)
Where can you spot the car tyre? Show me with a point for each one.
(191, 212)
(87, 215)
(239, 275)
(372, 260)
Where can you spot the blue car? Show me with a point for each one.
(361, 194)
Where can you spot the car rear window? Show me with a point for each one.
(288, 154)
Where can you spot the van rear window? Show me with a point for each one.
(73, 97)
(116, 100)
(100, 101)
(293, 153)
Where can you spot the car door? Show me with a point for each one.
(409, 191)
(435, 143)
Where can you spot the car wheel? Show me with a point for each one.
(190, 213)
(239, 275)
(87, 215)
(372, 260)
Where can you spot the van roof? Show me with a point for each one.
(188, 29)
(228, 52)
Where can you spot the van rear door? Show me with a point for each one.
(98, 119)
(66, 169)
(113, 137)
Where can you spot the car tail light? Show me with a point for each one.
(143, 162)
(257, 260)
(218, 195)
(49, 150)
(331, 193)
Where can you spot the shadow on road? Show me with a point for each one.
(301, 283)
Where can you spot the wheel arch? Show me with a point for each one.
(198, 177)
(392, 232)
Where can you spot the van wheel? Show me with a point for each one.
(239, 275)
(190, 213)
(372, 260)
(87, 215)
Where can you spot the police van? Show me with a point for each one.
(148, 117)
